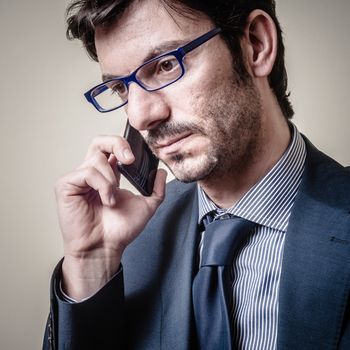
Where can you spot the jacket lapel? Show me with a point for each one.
(177, 329)
(158, 274)
(315, 276)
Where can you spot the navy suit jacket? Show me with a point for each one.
(147, 305)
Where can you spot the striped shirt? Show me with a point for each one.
(257, 265)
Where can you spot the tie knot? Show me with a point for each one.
(222, 238)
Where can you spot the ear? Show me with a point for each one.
(260, 43)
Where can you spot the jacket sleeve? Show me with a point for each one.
(96, 323)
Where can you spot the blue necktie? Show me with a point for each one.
(212, 286)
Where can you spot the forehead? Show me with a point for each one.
(144, 27)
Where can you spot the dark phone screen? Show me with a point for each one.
(142, 172)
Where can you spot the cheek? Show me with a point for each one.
(199, 93)
(193, 100)
(207, 91)
(187, 104)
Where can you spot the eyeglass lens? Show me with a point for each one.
(151, 76)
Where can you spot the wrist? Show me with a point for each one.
(82, 277)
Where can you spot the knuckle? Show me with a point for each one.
(60, 183)
(63, 185)
(106, 144)
(97, 140)
(98, 158)
(96, 144)
(159, 199)
(118, 141)
(105, 190)
(89, 172)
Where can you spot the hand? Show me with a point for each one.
(97, 218)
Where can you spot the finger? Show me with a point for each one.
(112, 160)
(158, 194)
(102, 164)
(81, 181)
(112, 145)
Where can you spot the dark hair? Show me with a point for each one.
(83, 16)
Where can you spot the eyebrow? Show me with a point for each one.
(159, 50)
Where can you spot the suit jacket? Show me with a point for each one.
(148, 305)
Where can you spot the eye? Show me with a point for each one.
(119, 87)
(167, 65)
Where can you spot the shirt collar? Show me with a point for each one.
(269, 201)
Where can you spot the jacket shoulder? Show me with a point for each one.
(326, 179)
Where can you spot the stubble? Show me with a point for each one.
(230, 119)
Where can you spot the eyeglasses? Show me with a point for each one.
(153, 75)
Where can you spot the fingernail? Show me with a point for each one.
(128, 154)
(112, 200)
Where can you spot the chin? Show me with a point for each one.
(192, 169)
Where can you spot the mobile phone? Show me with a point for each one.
(142, 172)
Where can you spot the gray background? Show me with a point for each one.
(46, 127)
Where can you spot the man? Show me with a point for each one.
(219, 117)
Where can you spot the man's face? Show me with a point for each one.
(207, 123)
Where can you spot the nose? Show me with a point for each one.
(146, 109)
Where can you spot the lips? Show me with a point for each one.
(170, 145)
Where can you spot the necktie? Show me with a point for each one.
(211, 288)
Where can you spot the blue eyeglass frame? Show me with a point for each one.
(179, 53)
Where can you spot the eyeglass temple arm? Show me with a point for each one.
(199, 41)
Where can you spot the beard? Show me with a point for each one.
(229, 121)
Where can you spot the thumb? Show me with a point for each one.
(158, 194)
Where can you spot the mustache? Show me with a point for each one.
(169, 129)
